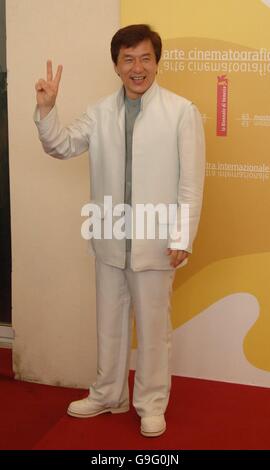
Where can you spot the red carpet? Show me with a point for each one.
(201, 414)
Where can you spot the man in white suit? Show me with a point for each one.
(146, 147)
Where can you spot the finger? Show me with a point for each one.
(181, 257)
(42, 85)
(49, 71)
(174, 254)
(58, 74)
(177, 257)
(38, 86)
(173, 257)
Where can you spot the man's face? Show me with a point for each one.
(137, 68)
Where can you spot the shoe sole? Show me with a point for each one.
(91, 415)
(153, 434)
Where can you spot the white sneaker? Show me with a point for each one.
(153, 426)
(86, 408)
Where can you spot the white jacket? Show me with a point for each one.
(168, 164)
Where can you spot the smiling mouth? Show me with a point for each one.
(138, 79)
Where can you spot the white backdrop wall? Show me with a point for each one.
(53, 275)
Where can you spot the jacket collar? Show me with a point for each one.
(146, 97)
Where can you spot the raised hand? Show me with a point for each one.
(47, 89)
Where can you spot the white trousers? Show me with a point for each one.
(149, 292)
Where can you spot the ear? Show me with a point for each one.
(116, 70)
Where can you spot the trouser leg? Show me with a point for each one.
(151, 293)
(114, 326)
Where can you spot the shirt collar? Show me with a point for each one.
(146, 97)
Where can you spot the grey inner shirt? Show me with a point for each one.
(132, 109)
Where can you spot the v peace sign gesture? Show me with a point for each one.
(47, 89)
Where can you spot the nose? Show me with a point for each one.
(137, 65)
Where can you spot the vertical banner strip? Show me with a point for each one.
(222, 105)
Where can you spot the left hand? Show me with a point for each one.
(177, 256)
